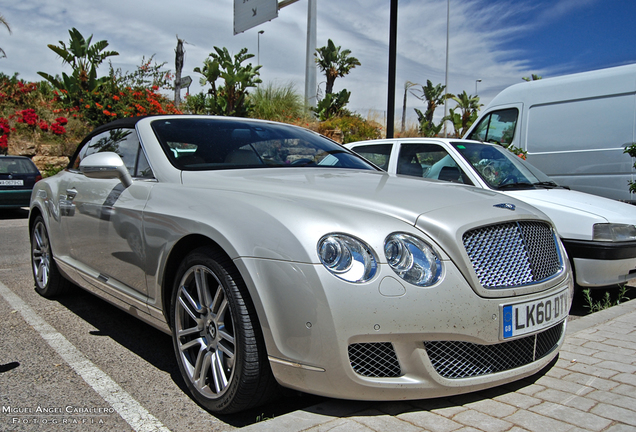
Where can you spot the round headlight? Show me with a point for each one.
(412, 259)
(347, 257)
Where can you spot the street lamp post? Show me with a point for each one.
(258, 48)
(476, 81)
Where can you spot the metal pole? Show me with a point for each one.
(476, 81)
(310, 64)
(390, 126)
(446, 78)
(258, 49)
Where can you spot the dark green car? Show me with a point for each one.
(18, 175)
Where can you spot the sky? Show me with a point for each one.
(495, 41)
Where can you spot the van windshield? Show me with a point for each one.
(500, 168)
(497, 127)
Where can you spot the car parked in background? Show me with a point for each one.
(273, 255)
(18, 175)
(598, 233)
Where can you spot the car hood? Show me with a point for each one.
(399, 197)
(573, 212)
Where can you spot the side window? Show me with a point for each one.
(125, 143)
(430, 161)
(379, 154)
(496, 127)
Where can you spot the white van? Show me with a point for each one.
(575, 128)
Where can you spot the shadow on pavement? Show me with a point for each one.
(21, 213)
(155, 347)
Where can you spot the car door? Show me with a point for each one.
(106, 227)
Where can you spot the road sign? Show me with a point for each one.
(250, 13)
(185, 81)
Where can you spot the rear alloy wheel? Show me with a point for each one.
(216, 337)
(48, 280)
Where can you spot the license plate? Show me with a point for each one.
(11, 183)
(532, 316)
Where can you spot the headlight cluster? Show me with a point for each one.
(614, 232)
(411, 258)
(347, 257)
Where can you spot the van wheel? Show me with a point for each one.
(216, 338)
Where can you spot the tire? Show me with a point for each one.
(49, 282)
(216, 335)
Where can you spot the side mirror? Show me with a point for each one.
(105, 165)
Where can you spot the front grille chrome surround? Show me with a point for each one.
(513, 254)
(375, 360)
(455, 359)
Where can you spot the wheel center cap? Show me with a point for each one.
(212, 330)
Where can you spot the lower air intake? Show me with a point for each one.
(452, 359)
(376, 360)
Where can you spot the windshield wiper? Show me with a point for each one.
(547, 184)
(516, 185)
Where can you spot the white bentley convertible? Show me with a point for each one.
(274, 256)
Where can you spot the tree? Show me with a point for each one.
(469, 111)
(427, 128)
(6, 24)
(229, 98)
(407, 86)
(334, 63)
(534, 77)
(332, 105)
(433, 95)
(84, 58)
(631, 150)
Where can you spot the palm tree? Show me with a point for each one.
(533, 78)
(334, 63)
(433, 95)
(469, 108)
(83, 58)
(6, 24)
(407, 86)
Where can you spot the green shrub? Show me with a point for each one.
(353, 127)
(278, 103)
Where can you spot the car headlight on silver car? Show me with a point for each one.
(412, 259)
(347, 257)
(613, 232)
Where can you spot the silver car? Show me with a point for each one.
(276, 257)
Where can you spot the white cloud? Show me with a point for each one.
(143, 28)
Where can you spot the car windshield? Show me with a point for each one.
(500, 168)
(195, 144)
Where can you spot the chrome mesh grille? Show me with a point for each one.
(513, 254)
(453, 359)
(377, 360)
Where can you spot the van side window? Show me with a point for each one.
(497, 127)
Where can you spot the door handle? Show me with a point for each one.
(70, 194)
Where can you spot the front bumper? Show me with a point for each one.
(312, 322)
(598, 264)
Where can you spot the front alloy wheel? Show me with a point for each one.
(216, 340)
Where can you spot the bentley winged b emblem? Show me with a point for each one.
(507, 206)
